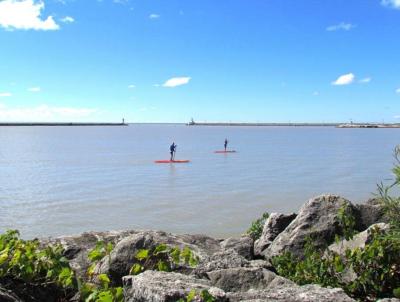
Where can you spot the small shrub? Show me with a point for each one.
(257, 226)
(162, 258)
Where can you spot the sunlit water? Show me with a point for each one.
(66, 180)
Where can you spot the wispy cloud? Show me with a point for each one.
(121, 1)
(44, 113)
(67, 19)
(398, 90)
(391, 3)
(154, 16)
(5, 94)
(174, 82)
(341, 26)
(365, 80)
(316, 93)
(345, 79)
(34, 89)
(25, 14)
(132, 86)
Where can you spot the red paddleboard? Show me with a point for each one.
(167, 161)
(227, 151)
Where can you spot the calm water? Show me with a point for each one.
(66, 180)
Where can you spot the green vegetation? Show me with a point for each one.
(377, 265)
(257, 226)
(204, 296)
(26, 261)
(163, 258)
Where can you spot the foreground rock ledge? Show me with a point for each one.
(234, 269)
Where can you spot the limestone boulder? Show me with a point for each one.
(123, 257)
(274, 225)
(318, 219)
(155, 286)
(294, 293)
(243, 246)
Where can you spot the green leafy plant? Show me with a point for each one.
(25, 260)
(101, 290)
(204, 296)
(346, 221)
(163, 258)
(257, 226)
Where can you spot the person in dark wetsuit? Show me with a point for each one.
(172, 150)
(225, 144)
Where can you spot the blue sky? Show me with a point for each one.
(225, 60)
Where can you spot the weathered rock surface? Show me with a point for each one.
(275, 224)
(8, 296)
(244, 278)
(295, 293)
(220, 260)
(155, 286)
(369, 213)
(123, 256)
(243, 246)
(359, 240)
(318, 218)
(76, 248)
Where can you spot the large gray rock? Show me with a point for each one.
(359, 240)
(318, 219)
(244, 278)
(243, 246)
(123, 256)
(275, 224)
(220, 260)
(369, 213)
(294, 293)
(155, 286)
(76, 248)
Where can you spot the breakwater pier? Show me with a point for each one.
(61, 124)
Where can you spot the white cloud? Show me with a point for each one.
(25, 14)
(5, 94)
(345, 79)
(173, 82)
(398, 90)
(341, 26)
(67, 19)
(154, 16)
(34, 89)
(132, 86)
(365, 80)
(391, 3)
(44, 113)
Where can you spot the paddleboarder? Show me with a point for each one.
(225, 144)
(172, 150)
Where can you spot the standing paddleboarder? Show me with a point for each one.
(225, 144)
(172, 150)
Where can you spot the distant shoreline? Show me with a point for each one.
(337, 125)
(61, 124)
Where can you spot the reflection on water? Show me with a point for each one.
(63, 180)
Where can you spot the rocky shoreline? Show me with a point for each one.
(232, 269)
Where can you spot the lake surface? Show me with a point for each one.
(66, 180)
